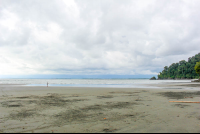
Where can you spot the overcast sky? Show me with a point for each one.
(77, 37)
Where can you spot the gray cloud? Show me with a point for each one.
(96, 37)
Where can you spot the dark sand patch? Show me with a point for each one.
(131, 95)
(181, 105)
(138, 99)
(111, 105)
(198, 117)
(144, 91)
(68, 116)
(94, 113)
(172, 88)
(74, 116)
(75, 95)
(39, 104)
(107, 130)
(43, 101)
(191, 85)
(23, 97)
(121, 92)
(105, 97)
(56, 101)
(92, 107)
(24, 113)
(179, 95)
(13, 103)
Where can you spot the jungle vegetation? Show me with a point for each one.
(181, 70)
(197, 68)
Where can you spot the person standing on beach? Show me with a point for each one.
(47, 84)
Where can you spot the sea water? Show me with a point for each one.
(88, 82)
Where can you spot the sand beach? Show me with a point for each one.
(34, 109)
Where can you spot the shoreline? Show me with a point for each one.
(99, 109)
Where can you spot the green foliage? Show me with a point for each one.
(197, 68)
(182, 70)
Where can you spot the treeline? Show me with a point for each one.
(181, 70)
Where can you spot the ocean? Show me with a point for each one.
(88, 82)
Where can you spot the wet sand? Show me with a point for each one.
(100, 110)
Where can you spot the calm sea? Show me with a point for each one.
(88, 82)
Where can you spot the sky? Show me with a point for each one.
(96, 37)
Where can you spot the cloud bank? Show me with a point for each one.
(78, 37)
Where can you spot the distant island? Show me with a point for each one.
(181, 70)
(153, 78)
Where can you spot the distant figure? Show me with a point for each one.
(47, 84)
